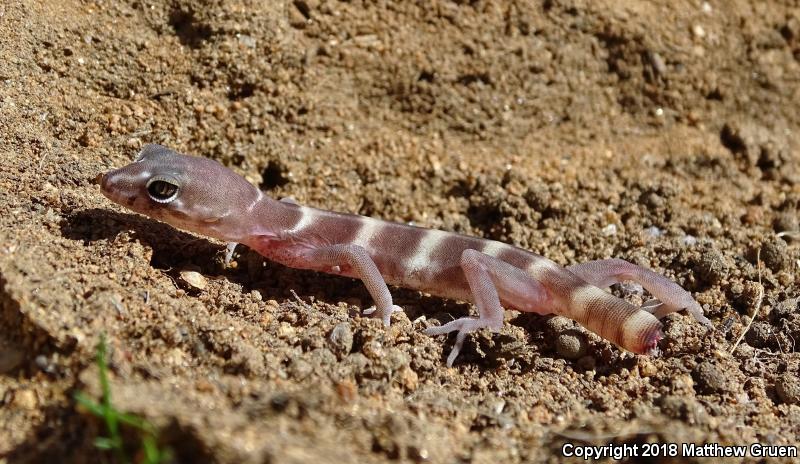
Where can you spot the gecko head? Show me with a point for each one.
(188, 192)
(647, 335)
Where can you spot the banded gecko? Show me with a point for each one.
(201, 195)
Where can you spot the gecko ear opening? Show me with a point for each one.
(162, 189)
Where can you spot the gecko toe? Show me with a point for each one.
(385, 316)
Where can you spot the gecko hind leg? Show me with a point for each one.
(670, 296)
(490, 279)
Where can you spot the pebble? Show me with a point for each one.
(408, 379)
(286, 331)
(373, 349)
(609, 230)
(25, 399)
(341, 339)
(653, 232)
(647, 368)
(193, 280)
(43, 363)
(788, 389)
(682, 383)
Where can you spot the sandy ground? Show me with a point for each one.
(665, 133)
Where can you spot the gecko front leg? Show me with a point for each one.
(356, 260)
(491, 279)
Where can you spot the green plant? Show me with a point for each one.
(115, 419)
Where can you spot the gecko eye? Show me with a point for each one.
(162, 189)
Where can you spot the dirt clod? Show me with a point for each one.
(711, 378)
(712, 266)
(571, 346)
(788, 388)
(775, 255)
(341, 339)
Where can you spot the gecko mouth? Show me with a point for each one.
(100, 180)
(650, 339)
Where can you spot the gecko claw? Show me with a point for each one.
(386, 316)
(464, 326)
(229, 249)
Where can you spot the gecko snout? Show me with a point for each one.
(100, 180)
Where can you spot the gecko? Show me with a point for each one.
(203, 196)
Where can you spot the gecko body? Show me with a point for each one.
(201, 195)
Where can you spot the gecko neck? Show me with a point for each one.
(269, 218)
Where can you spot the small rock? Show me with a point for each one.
(682, 383)
(408, 379)
(300, 369)
(788, 389)
(711, 378)
(341, 339)
(193, 280)
(686, 409)
(204, 386)
(571, 345)
(653, 232)
(647, 368)
(373, 349)
(25, 399)
(286, 330)
(43, 363)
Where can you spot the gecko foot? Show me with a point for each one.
(464, 326)
(386, 316)
(651, 305)
(229, 252)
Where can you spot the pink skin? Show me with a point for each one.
(202, 196)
